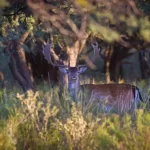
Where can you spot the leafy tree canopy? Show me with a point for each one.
(125, 22)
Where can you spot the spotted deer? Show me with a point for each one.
(122, 97)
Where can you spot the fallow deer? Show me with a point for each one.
(122, 97)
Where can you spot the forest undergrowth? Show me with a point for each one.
(44, 121)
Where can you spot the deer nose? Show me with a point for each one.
(74, 78)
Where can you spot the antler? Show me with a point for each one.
(47, 52)
(96, 50)
(89, 61)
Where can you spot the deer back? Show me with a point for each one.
(122, 97)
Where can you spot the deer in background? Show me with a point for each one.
(122, 97)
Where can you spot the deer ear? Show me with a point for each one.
(63, 70)
(82, 69)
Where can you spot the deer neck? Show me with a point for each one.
(74, 87)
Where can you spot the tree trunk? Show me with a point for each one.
(17, 75)
(108, 55)
(145, 64)
(18, 64)
(74, 51)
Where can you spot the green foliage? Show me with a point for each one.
(30, 22)
(3, 3)
(120, 134)
(145, 6)
(5, 59)
(104, 33)
(145, 25)
(13, 25)
(7, 104)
